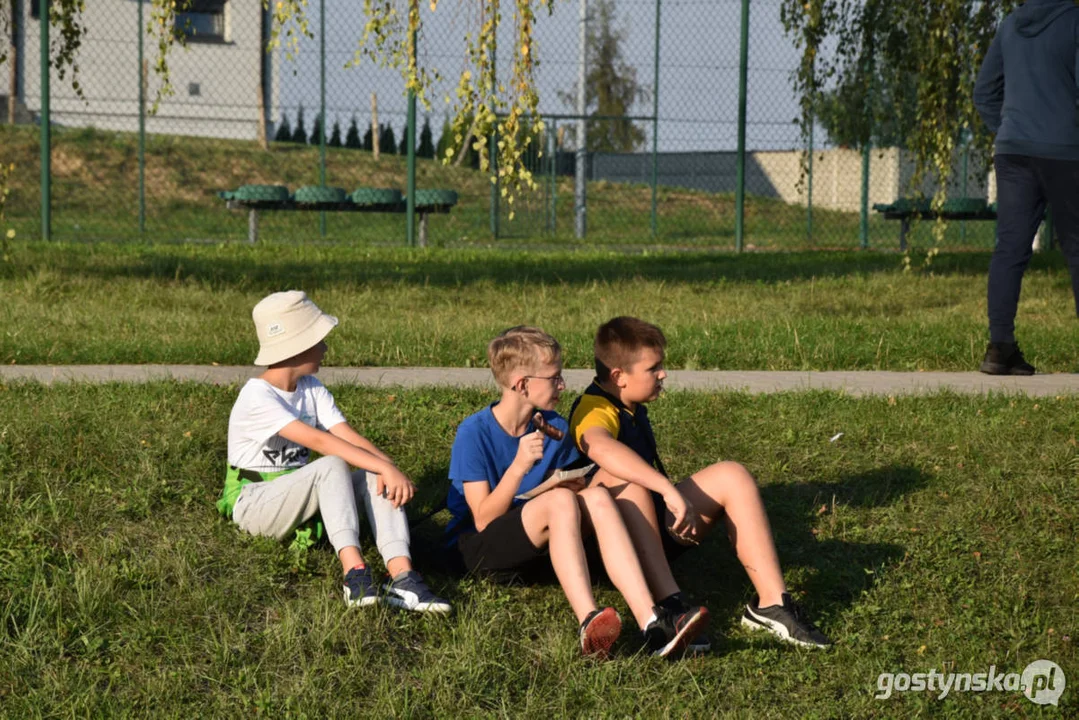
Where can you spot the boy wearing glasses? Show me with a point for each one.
(609, 422)
(500, 453)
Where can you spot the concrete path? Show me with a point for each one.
(850, 382)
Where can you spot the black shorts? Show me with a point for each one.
(671, 547)
(502, 546)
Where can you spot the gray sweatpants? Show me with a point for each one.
(276, 507)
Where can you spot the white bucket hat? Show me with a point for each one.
(288, 323)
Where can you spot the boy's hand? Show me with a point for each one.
(395, 487)
(529, 451)
(575, 485)
(686, 521)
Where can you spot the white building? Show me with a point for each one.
(216, 79)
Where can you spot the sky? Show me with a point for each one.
(698, 78)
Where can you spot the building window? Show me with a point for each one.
(202, 21)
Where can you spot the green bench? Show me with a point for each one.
(905, 209)
(315, 198)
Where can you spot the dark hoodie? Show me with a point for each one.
(1026, 90)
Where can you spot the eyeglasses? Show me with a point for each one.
(555, 379)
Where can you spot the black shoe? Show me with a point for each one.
(678, 603)
(671, 632)
(1005, 359)
(787, 621)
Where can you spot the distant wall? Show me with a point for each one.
(837, 175)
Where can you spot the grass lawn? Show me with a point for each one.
(937, 533)
(95, 196)
(190, 303)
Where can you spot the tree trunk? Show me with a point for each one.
(263, 121)
(374, 125)
(465, 145)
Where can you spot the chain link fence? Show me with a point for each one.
(660, 126)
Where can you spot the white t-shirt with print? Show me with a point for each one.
(262, 410)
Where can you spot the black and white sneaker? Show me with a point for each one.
(670, 633)
(787, 621)
(360, 588)
(680, 604)
(409, 592)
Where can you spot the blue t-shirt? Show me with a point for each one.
(483, 451)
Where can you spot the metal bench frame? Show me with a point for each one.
(256, 206)
(904, 216)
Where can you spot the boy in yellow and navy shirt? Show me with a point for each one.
(501, 453)
(609, 422)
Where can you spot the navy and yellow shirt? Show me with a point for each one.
(598, 408)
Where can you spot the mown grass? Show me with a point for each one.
(95, 196)
(117, 303)
(937, 533)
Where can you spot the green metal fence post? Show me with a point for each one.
(552, 181)
(809, 187)
(322, 109)
(966, 167)
(410, 135)
(142, 132)
(867, 147)
(492, 153)
(46, 122)
(864, 224)
(655, 121)
(740, 188)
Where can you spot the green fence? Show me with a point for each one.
(688, 128)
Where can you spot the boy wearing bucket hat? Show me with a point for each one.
(270, 488)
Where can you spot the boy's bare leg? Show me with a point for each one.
(554, 519)
(639, 515)
(396, 566)
(350, 557)
(599, 510)
(726, 489)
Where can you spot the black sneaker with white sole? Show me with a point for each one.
(787, 621)
(679, 603)
(360, 590)
(408, 591)
(670, 633)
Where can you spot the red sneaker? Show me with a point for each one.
(599, 631)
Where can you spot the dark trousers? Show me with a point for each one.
(1024, 186)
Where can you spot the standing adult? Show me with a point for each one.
(1027, 96)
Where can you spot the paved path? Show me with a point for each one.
(851, 382)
